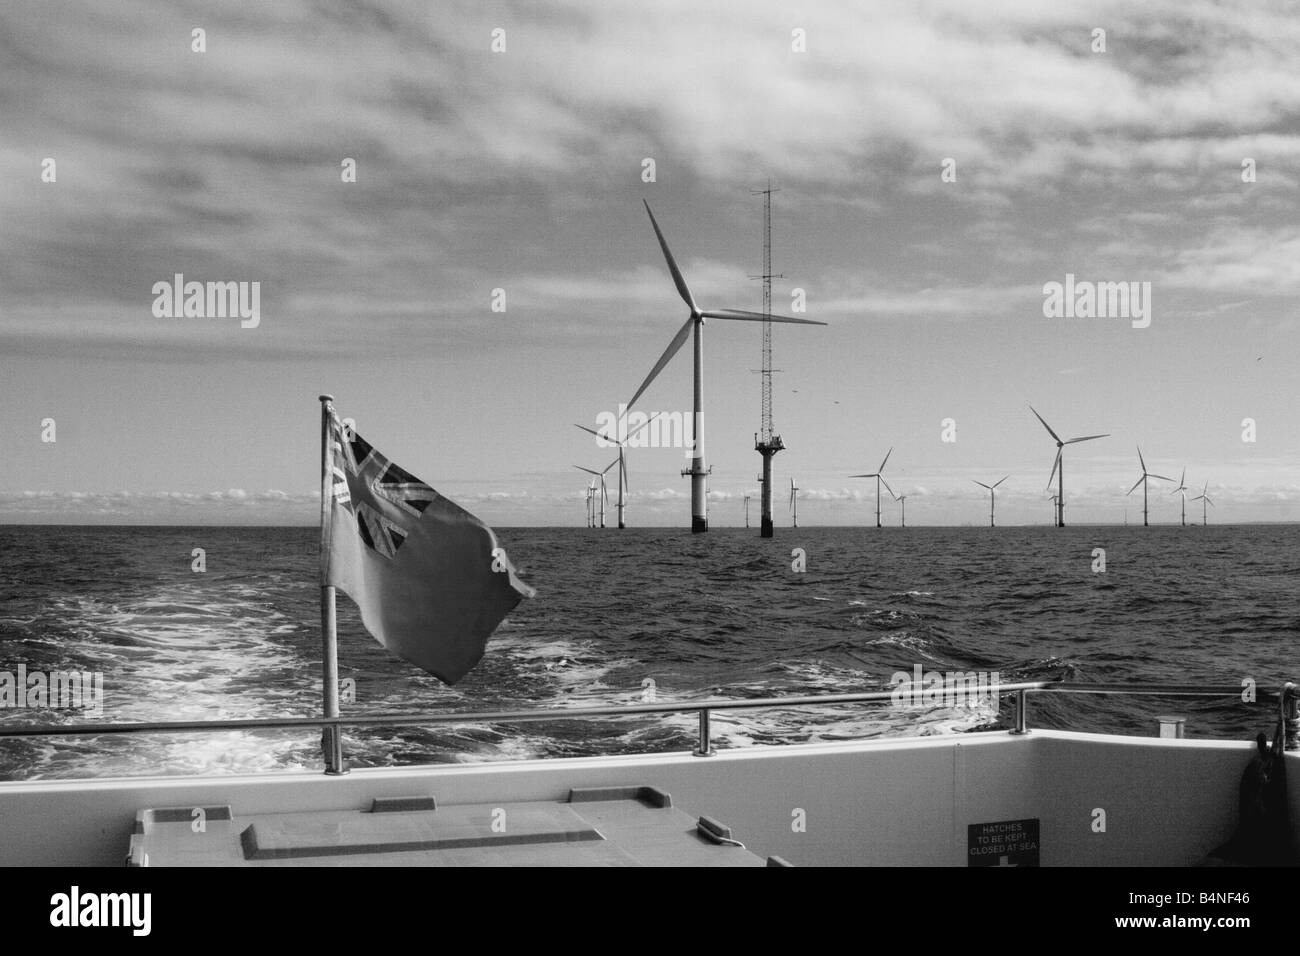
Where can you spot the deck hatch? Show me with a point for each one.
(294, 836)
(615, 827)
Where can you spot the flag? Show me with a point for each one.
(429, 578)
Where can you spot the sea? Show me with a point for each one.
(625, 616)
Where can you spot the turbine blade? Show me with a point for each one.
(1140, 461)
(593, 431)
(885, 483)
(1000, 480)
(673, 347)
(1056, 464)
(1135, 485)
(1161, 477)
(982, 485)
(684, 292)
(739, 314)
(1086, 438)
(1045, 425)
(881, 469)
(587, 470)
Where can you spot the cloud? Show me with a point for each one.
(163, 507)
(1239, 259)
(227, 164)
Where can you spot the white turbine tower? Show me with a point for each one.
(695, 323)
(1182, 489)
(604, 492)
(1204, 499)
(992, 494)
(622, 462)
(879, 478)
(794, 503)
(1058, 466)
(1143, 482)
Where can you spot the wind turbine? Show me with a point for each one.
(1058, 466)
(1053, 499)
(1182, 488)
(590, 497)
(1205, 500)
(1143, 482)
(622, 463)
(695, 323)
(794, 503)
(902, 502)
(747, 497)
(879, 478)
(604, 492)
(992, 494)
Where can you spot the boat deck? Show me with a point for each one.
(615, 827)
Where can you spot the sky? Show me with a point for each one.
(1170, 157)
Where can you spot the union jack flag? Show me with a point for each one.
(381, 528)
(428, 577)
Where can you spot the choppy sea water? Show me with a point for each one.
(715, 615)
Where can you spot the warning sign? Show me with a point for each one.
(1009, 843)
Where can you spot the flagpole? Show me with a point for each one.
(331, 741)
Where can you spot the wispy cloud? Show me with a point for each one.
(226, 164)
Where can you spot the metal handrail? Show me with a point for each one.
(499, 716)
(1286, 696)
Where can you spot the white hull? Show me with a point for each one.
(895, 802)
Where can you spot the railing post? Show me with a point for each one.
(703, 747)
(1290, 718)
(1022, 713)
